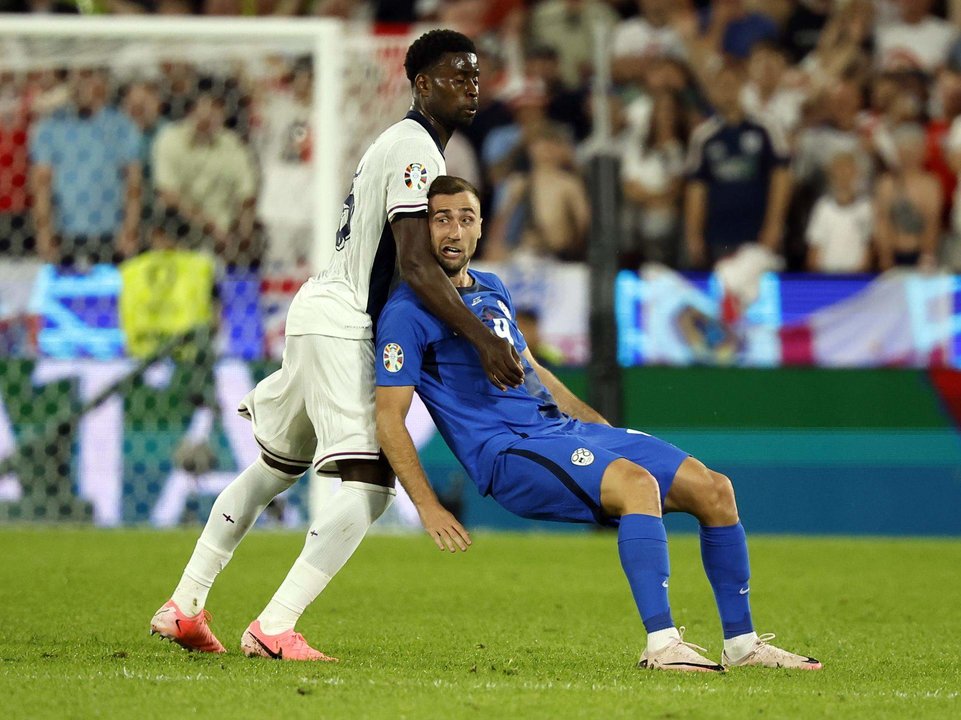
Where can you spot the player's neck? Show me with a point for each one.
(443, 133)
(462, 279)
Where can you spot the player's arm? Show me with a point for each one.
(567, 401)
(425, 277)
(392, 405)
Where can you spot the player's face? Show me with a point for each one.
(455, 226)
(454, 88)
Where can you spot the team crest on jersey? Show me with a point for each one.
(415, 176)
(393, 357)
(582, 457)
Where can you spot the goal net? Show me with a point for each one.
(165, 187)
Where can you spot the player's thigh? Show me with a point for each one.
(277, 409)
(554, 478)
(338, 382)
(660, 458)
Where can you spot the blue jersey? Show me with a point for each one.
(475, 418)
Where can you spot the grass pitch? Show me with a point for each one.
(522, 626)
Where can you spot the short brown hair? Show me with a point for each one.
(451, 185)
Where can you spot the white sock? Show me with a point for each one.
(331, 540)
(660, 638)
(235, 511)
(740, 645)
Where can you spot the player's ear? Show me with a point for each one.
(422, 85)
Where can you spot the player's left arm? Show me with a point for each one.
(393, 403)
(567, 401)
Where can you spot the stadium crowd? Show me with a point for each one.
(827, 131)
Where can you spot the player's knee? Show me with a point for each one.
(720, 507)
(630, 489)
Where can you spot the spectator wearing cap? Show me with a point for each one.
(206, 181)
(648, 35)
(917, 41)
(86, 176)
(739, 181)
(568, 27)
(729, 28)
(908, 206)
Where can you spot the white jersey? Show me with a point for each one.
(391, 180)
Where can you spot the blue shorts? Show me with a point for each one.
(558, 476)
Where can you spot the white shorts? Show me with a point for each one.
(319, 407)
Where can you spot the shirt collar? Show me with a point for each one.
(420, 119)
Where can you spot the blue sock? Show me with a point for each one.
(642, 545)
(724, 553)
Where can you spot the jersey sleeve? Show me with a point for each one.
(410, 166)
(401, 342)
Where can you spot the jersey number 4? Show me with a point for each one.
(502, 329)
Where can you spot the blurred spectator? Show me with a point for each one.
(638, 39)
(840, 130)
(568, 27)
(165, 292)
(652, 175)
(16, 234)
(729, 28)
(505, 147)
(843, 48)
(739, 182)
(766, 95)
(43, 6)
(284, 145)
(528, 322)
(804, 24)
(839, 233)
(564, 105)
(908, 206)
(207, 182)
(141, 103)
(86, 176)
(544, 211)
(918, 41)
(894, 100)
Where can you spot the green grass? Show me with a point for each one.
(522, 626)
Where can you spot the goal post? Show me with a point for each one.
(119, 454)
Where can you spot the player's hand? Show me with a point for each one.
(501, 362)
(443, 528)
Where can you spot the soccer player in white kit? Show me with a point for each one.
(318, 409)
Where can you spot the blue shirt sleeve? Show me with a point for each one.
(401, 342)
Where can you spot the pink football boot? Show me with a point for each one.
(191, 633)
(289, 645)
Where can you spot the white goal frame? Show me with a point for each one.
(324, 37)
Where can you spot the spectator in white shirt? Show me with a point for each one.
(919, 41)
(839, 233)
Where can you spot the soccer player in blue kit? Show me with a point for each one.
(541, 453)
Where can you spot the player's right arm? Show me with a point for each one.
(425, 277)
(393, 403)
